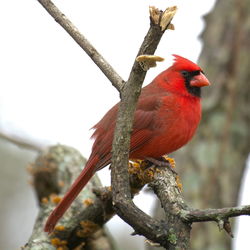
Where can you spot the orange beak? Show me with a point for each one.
(199, 81)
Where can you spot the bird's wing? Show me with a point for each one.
(145, 125)
(143, 129)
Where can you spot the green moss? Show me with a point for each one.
(172, 238)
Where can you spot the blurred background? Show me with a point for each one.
(51, 92)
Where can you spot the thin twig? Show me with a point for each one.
(103, 65)
(198, 215)
(21, 142)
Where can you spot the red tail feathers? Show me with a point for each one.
(71, 194)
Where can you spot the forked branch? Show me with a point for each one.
(129, 92)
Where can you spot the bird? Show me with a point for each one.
(167, 115)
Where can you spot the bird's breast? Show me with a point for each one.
(180, 128)
(174, 127)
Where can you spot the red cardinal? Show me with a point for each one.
(166, 117)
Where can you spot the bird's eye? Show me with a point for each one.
(196, 72)
(185, 73)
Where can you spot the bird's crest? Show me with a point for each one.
(181, 63)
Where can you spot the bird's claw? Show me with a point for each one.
(164, 162)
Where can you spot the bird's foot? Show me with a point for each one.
(164, 161)
(168, 162)
(142, 170)
(171, 161)
(145, 169)
(172, 164)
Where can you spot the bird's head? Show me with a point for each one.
(184, 77)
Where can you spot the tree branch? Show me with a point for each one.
(198, 215)
(97, 58)
(53, 173)
(180, 216)
(21, 142)
(166, 188)
(55, 169)
(125, 208)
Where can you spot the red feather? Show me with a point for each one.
(166, 117)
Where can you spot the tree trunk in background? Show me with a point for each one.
(212, 165)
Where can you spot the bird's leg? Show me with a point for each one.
(164, 161)
(143, 168)
(169, 159)
(168, 162)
